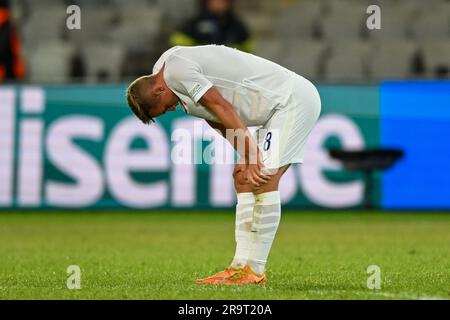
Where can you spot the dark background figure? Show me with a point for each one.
(12, 66)
(217, 23)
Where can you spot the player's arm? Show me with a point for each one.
(217, 126)
(222, 131)
(229, 119)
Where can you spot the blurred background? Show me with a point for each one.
(69, 140)
(323, 40)
(77, 168)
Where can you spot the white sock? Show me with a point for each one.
(244, 217)
(267, 215)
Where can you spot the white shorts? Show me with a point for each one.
(282, 139)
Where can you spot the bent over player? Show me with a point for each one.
(233, 90)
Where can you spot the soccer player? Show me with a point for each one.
(233, 90)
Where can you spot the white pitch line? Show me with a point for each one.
(406, 295)
(401, 295)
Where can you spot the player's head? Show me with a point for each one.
(150, 97)
(218, 7)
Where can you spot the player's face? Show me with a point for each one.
(159, 110)
(219, 7)
(158, 100)
(167, 101)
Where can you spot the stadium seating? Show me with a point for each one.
(396, 21)
(38, 26)
(324, 40)
(392, 60)
(103, 61)
(344, 22)
(305, 57)
(437, 57)
(432, 24)
(348, 61)
(95, 26)
(50, 62)
(298, 21)
(270, 49)
(176, 12)
(138, 27)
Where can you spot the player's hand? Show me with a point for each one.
(255, 175)
(239, 173)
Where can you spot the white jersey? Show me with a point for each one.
(254, 86)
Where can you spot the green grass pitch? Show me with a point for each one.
(158, 255)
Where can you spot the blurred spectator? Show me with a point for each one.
(12, 66)
(217, 23)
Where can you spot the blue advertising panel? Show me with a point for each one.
(415, 116)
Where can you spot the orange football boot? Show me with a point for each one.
(245, 276)
(228, 272)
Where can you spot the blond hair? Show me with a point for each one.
(135, 101)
